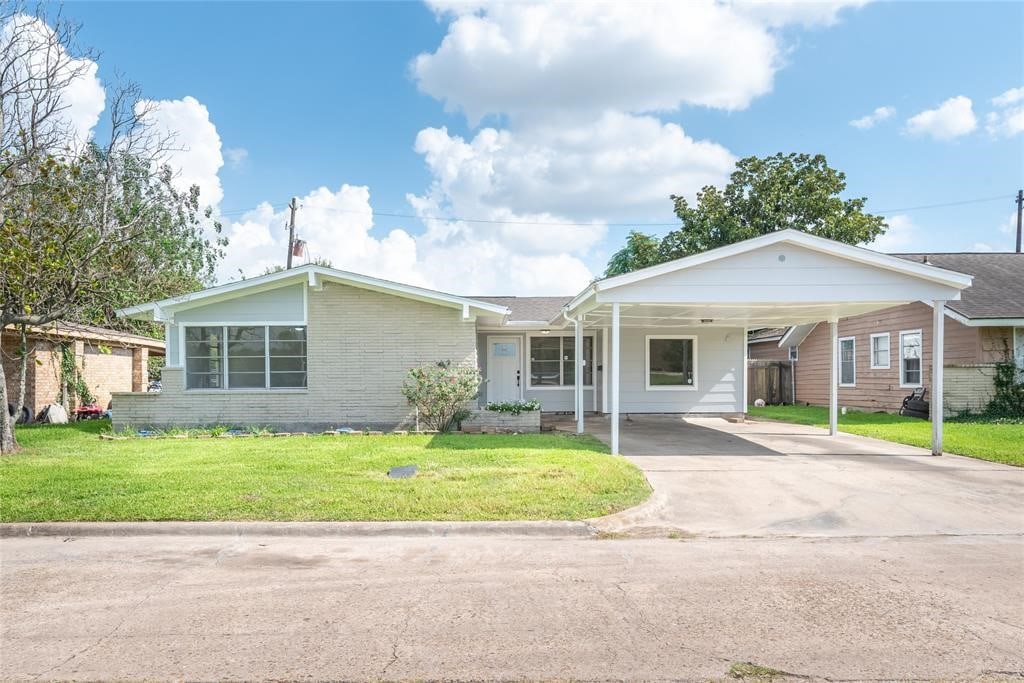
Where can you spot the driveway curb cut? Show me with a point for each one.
(300, 529)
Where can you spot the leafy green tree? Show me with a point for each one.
(641, 250)
(763, 195)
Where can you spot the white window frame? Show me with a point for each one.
(794, 353)
(528, 360)
(871, 351)
(904, 385)
(854, 356)
(647, 364)
(224, 357)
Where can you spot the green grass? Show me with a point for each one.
(987, 441)
(66, 473)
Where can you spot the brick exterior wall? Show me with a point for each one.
(106, 370)
(360, 346)
(491, 420)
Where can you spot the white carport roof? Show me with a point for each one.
(784, 278)
(313, 275)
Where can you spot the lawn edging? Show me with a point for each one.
(548, 529)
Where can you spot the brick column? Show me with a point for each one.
(140, 368)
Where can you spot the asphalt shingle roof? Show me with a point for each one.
(532, 308)
(998, 287)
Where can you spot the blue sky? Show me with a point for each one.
(521, 123)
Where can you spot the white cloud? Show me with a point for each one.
(1011, 96)
(902, 236)
(870, 120)
(196, 146)
(236, 156)
(1008, 119)
(337, 226)
(951, 119)
(777, 13)
(83, 98)
(617, 166)
(529, 59)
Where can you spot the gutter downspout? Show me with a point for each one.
(577, 369)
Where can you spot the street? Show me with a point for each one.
(224, 607)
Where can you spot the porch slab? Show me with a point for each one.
(712, 477)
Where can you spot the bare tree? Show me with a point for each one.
(81, 223)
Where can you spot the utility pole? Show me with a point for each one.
(1020, 208)
(294, 206)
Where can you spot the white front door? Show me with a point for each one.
(504, 369)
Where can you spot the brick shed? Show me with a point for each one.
(109, 361)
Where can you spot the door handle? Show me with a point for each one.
(519, 378)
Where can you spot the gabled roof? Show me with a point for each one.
(795, 237)
(529, 309)
(313, 275)
(998, 287)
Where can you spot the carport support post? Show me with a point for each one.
(615, 379)
(833, 389)
(937, 408)
(578, 374)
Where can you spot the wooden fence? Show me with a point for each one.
(770, 380)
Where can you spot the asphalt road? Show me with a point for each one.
(928, 607)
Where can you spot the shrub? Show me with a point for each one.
(440, 393)
(1008, 401)
(514, 407)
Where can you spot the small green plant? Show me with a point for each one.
(71, 378)
(748, 671)
(514, 407)
(217, 430)
(440, 393)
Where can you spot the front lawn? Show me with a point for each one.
(67, 473)
(987, 441)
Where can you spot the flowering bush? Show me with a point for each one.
(514, 407)
(440, 393)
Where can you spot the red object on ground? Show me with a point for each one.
(88, 411)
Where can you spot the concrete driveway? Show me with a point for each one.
(716, 478)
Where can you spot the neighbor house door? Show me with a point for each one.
(504, 369)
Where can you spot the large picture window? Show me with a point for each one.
(847, 362)
(553, 361)
(671, 362)
(245, 357)
(910, 359)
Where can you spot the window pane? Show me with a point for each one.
(204, 349)
(287, 357)
(545, 360)
(880, 351)
(246, 380)
(288, 380)
(247, 357)
(671, 362)
(588, 359)
(287, 364)
(846, 363)
(911, 354)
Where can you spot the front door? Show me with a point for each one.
(504, 369)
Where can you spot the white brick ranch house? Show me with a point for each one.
(313, 348)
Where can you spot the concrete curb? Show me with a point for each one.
(300, 529)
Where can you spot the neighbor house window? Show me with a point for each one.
(553, 361)
(880, 351)
(245, 357)
(671, 362)
(910, 359)
(847, 362)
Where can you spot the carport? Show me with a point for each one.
(679, 328)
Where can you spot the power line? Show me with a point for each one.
(630, 224)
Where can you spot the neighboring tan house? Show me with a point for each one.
(887, 354)
(108, 360)
(313, 348)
